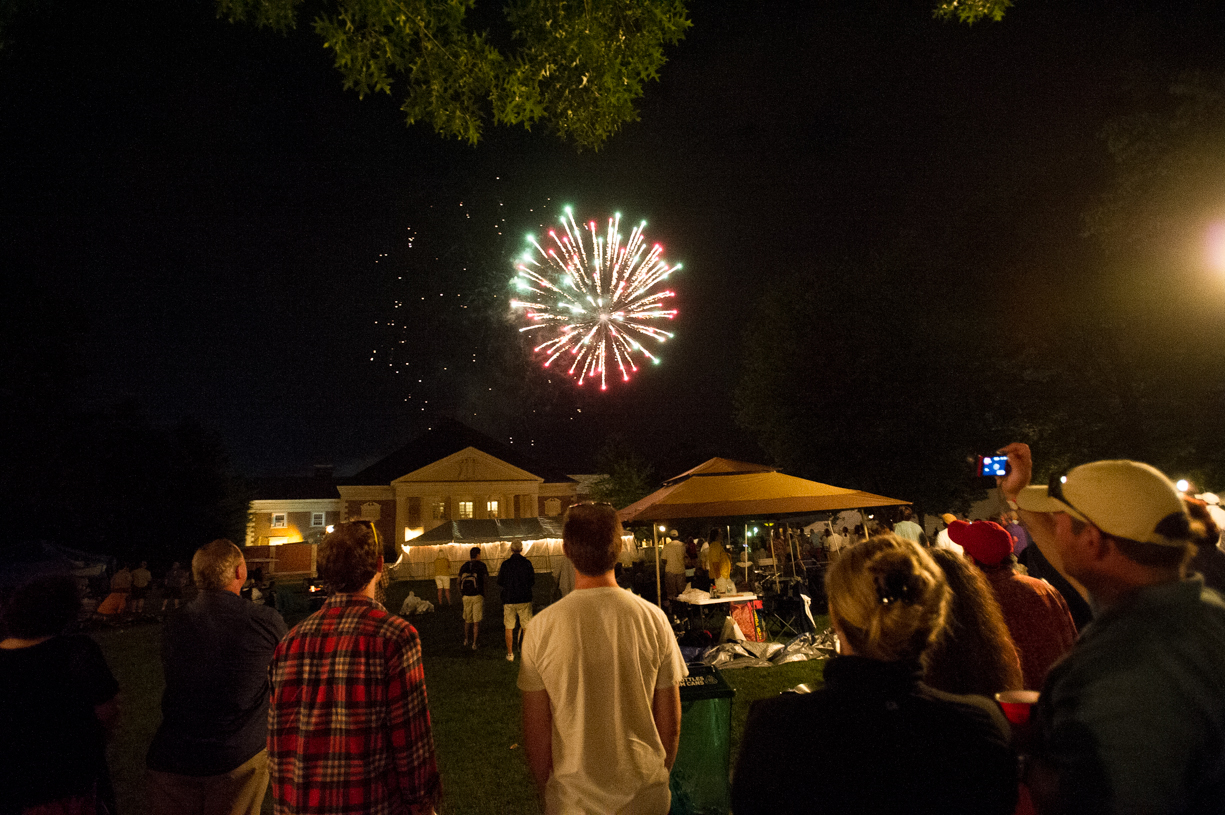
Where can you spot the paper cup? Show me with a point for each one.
(1016, 704)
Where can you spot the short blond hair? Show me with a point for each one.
(889, 597)
(214, 563)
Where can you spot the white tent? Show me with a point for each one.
(454, 540)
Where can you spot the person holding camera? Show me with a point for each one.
(1132, 720)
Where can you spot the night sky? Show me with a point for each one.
(257, 248)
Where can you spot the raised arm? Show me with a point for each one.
(1041, 525)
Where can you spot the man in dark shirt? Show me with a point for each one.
(516, 577)
(210, 753)
(1132, 720)
(472, 588)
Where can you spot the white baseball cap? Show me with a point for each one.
(1126, 499)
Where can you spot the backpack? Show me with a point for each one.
(468, 583)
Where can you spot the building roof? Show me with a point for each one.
(295, 488)
(444, 439)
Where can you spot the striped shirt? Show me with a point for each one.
(348, 725)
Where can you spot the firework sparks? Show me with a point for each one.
(594, 298)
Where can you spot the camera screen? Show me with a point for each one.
(994, 465)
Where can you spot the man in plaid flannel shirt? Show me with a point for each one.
(348, 726)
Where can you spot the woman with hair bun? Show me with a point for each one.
(875, 739)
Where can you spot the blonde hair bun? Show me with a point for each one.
(889, 597)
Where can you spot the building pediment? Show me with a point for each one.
(467, 465)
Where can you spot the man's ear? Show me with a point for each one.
(1096, 546)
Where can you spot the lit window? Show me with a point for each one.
(440, 510)
(280, 520)
(316, 519)
(491, 507)
(465, 509)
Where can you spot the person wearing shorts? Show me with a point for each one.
(176, 579)
(472, 588)
(141, 578)
(442, 579)
(516, 577)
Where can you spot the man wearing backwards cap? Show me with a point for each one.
(1133, 719)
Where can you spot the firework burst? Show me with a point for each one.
(594, 298)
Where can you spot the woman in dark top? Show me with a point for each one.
(875, 739)
(57, 703)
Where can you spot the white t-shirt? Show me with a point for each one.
(674, 553)
(943, 541)
(909, 530)
(601, 654)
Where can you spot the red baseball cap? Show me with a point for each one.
(985, 541)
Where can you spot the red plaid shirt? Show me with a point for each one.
(348, 725)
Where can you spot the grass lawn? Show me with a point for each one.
(474, 704)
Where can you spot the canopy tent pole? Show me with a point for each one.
(795, 552)
(744, 550)
(655, 538)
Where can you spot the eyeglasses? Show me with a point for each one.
(1054, 489)
(369, 525)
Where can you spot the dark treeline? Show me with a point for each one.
(98, 477)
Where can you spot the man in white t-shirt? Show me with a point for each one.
(601, 685)
(832, 542)
(674, 568)
(943, 541)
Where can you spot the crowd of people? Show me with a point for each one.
(334, 713)
(125, 596)
(1130, 717)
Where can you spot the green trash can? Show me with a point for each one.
(700, 777)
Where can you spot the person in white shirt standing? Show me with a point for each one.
(601, 685)
(943, 541)
(674, 568)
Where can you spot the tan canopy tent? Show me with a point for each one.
(721, 466)
(721, 493)
(723, 488)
